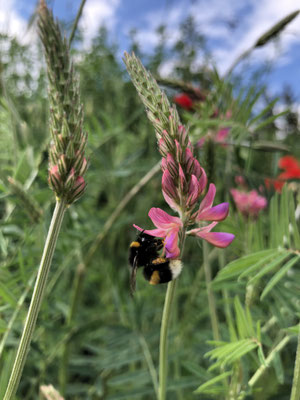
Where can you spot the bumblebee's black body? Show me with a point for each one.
(144, 249)
(144, 252)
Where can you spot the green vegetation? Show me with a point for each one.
(235, 323)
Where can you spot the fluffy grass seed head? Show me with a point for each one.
(67, 164)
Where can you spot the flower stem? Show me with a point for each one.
(210, 294)
(36, 299)
(163, 346)
(296, 381)
(165, 322)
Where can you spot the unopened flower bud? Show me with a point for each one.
(78, 189)
(54, 179)
(62, 165)
(172, 167)
(168, 185)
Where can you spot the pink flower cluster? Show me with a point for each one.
(183, 183)
(248, 203)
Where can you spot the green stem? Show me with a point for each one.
(163, 346)
(165, 322)
(295, 395)
(210, 294)
(76, 22)
(262, 369)
(36, 300)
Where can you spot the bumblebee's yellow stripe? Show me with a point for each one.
(159, 260)
(155, 278)
(135, 244)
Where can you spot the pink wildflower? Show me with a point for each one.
(168, 227)
(208, 213)
(248, 203)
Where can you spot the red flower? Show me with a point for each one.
(291, 168)
(184, 101)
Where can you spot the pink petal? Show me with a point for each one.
(181, 179)
(204, 229)
(188, 159)
(168, 185)
(171, 202)
(222, 135)
(171, 245)
(163, 220)
(193, 191)
(217, 213)
(218, 239)
(208, 199)
(183, 134)
(197, 168)
(178, 151)
(152, 232)
(163, 164)
(202, 181)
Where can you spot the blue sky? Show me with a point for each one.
(231, 26)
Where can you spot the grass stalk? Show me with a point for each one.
(36, 300)
(295, 394)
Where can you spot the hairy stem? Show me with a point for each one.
(295, 395)
(36, 299)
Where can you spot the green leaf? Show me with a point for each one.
(259, 264)
(278, 260)
(235, 268)
(276, 278)
(211, 382)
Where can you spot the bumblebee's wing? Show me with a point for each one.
(133, 276)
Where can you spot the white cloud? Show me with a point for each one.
(254, 18)
(13, 24)
(97, 13)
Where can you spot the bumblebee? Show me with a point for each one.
(144, 252)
